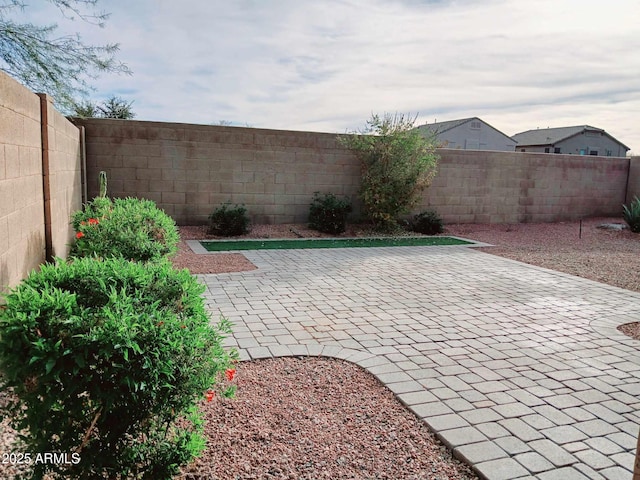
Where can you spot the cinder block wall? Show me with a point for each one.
(633, 185)
(22, 238)
(65, 177)
(190, 169)
(514, 187)
(32, 157)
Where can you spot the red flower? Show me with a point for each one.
(83, 223)
(79, 235)
(230, 373)
(93, 221)
(210, 395)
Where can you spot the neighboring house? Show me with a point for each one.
(469, 134)
(580, 140)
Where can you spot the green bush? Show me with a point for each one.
(631, 215)
(328, 213)
(228, 221)
(108, 359)
(130, 228)
(427, 222)
(398, 162)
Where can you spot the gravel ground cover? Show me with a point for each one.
(310, 418)
(323, 418)
(273, 439)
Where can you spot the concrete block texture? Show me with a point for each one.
(39, 152)
(244, 163)
(633, 184)
(22, 246)
(64, 178)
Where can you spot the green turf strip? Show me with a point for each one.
(226, 245)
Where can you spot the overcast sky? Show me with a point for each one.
(326, 65)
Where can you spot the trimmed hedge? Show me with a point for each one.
(130, 228)
(108, 359)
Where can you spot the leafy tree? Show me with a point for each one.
(85, 109)
(54, 65)
(398, 162)
(116, 107)
(113, 107)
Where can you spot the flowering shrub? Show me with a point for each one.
(125, 227)
(108, 358)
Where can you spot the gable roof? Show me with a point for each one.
(550, 136)
(441, 127)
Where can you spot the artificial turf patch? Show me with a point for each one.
(226, 245)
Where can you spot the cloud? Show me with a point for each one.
(327, 65)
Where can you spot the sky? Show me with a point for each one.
(327, 65)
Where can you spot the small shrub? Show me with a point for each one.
(631, 214)
(328, 213)
(228, 221)
(108, 359)
(427, 222)
(131, 228)
(398, 163)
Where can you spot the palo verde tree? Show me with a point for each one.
(398, 162)
(55, 65)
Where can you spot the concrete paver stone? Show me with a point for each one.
(552, 452)
(501, 469)
(480, 452)
(615, 473)
(565, 473)
(519, 369)
(534, 462)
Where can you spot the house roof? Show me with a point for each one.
(441, 127)
(550, 136)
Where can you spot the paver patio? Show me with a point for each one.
(518, 369)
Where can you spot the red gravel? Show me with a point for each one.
(312, 418)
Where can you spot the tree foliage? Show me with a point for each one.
(55, 65)
(398, 162)
(113, 107)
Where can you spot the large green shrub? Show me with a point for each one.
(328, 213)
(427, 222)
(229, 221)
(108, 359)
(631, 214)
(131, 228)
(398, 162)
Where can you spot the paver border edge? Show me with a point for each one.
(197, 248)
(358, 358)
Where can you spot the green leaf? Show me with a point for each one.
(49, 365)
